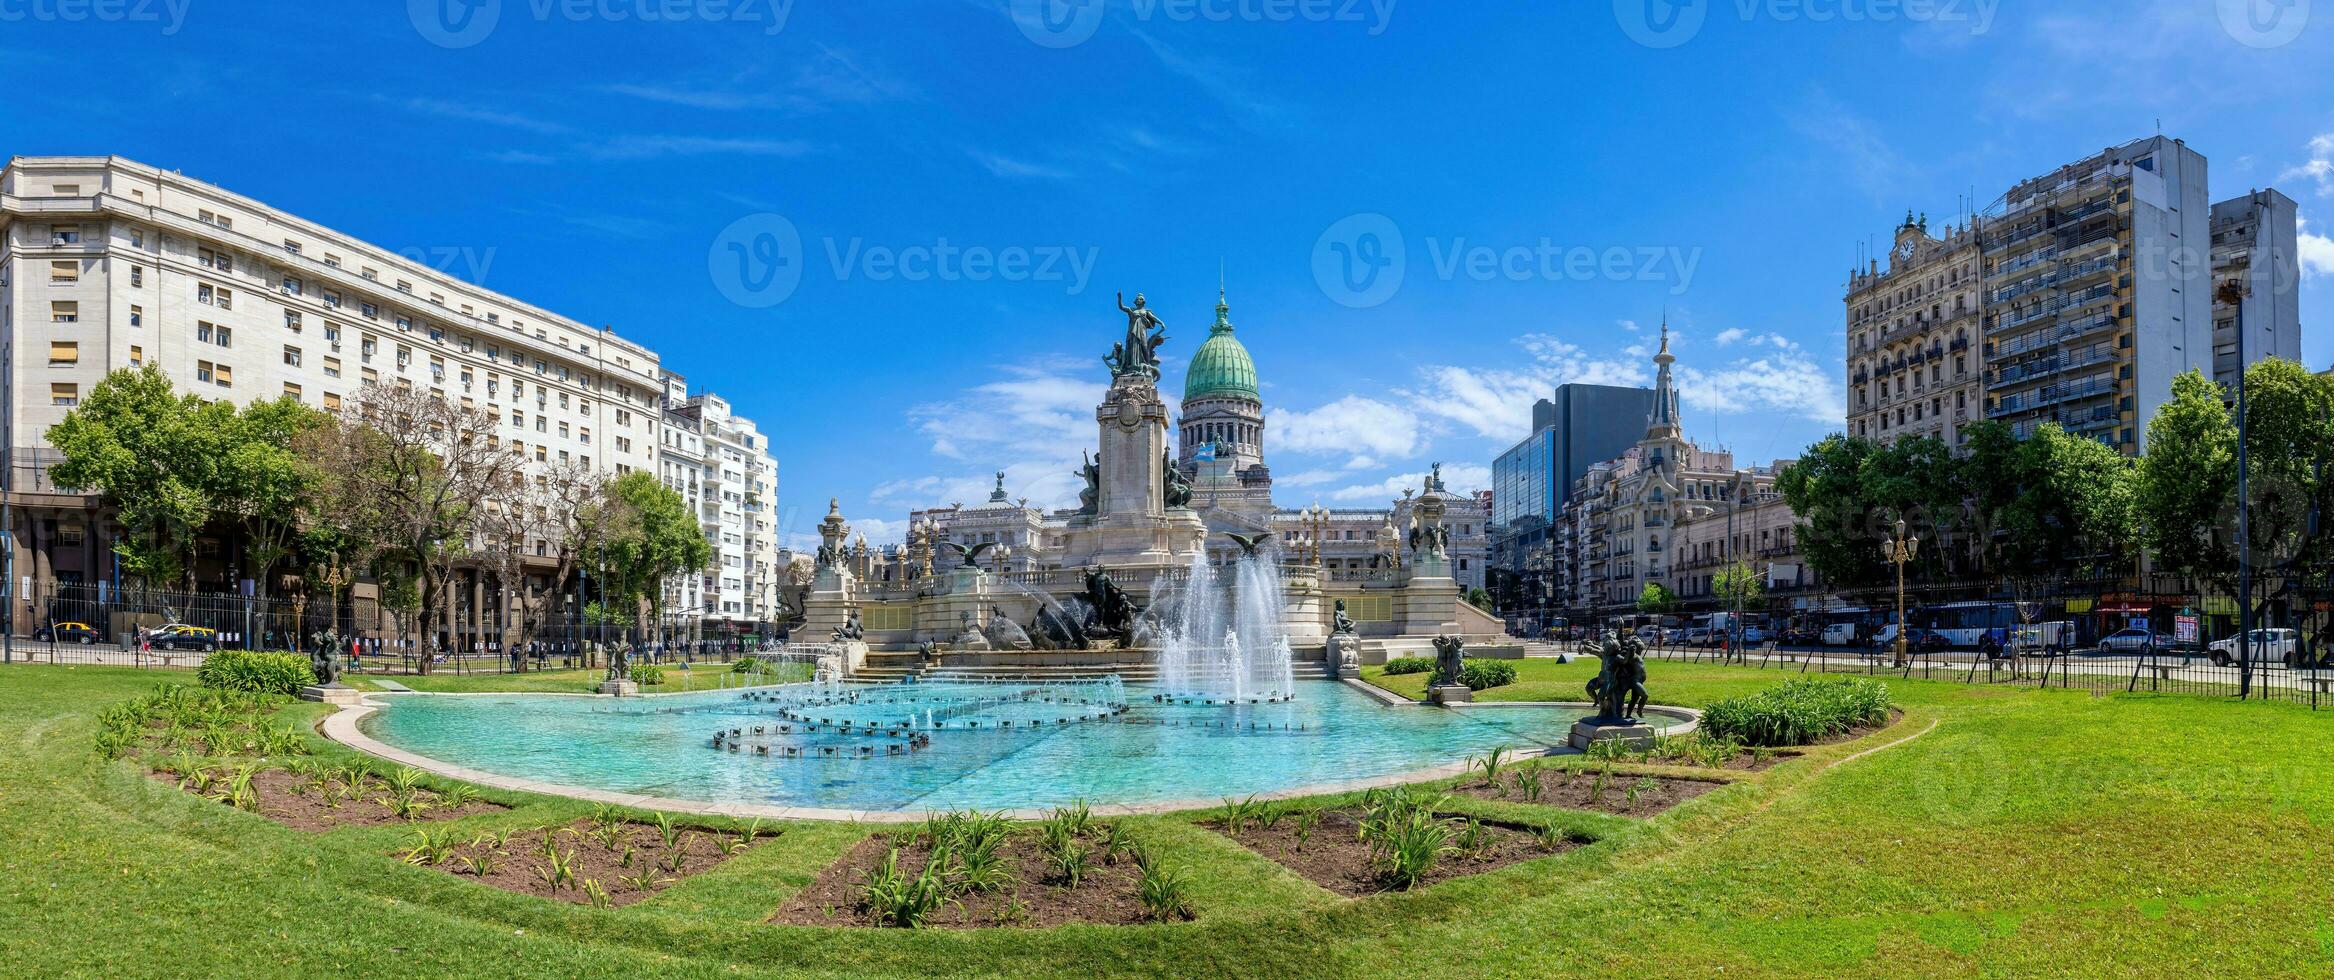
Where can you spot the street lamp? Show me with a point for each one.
(1898, 550)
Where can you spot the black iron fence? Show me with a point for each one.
(99, 624)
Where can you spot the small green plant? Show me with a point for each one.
(1305, 823)
(558, 869)
(1117, 842)
(1166, 894)
(255, 672)
(1491, 764)
(197, 778)
(404, 781)
(746, 835)
(1641, 788)
(1472, 838)
(674, 859)
(596, 895)
(647, 675)
(1798, 711)
(1597, 787)
(642, 882)
(1077, 817)
(1551, 839)
(406, 805)
(429, 847)
(1410, 846)
(1529, 780)
(1409, 665)
(668, 831)
(1481, 675)
(481, 861)
(457, 796)
(1239, 814)
(238, 792)
(610, 835)
(1069, 862)
(896, 898)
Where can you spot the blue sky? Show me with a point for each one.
(957, 188)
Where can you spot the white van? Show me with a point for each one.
(1840, 634)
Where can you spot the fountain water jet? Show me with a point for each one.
(1249, 657)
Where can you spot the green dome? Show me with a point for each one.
(1221, 367)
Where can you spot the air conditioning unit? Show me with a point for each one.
(58, 240)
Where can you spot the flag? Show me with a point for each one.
(1206, 453)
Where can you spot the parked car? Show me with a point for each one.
(1840, 635)
(180, 636)
(2268, 646)
(67, 632)
(1697, 636)
(1753, 634)
(1648, 634)
(2135, 640)
(1920, 640)
(2048, 639)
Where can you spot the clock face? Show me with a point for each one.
(1905, 249)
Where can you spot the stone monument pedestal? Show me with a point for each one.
(1589, 731)
(1456, 694)
(333, 693)
(1344, 656)
(620, 689)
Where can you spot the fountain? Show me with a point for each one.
(1225, 641)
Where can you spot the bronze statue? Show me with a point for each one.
(618, 656)
(323, 663)
(850, 630)
(1089, 499)
(1450, 661)
(1340, 623)
(971, 554)
(1619, 686)
(1248, 546)
(1139, 352)
(1177, 490)
(1112, 610)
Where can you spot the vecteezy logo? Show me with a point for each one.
(454, 23)
(757, 261)
(1360, 260)
(2264, 23)
(1057, 23)
(1661, 23)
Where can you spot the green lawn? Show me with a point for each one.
(2020, 832)
(700, 677)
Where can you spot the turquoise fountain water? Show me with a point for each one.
(1145, 752)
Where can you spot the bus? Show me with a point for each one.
(1969, 625)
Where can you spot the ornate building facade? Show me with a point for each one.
(1219, 447)
(1914, 329)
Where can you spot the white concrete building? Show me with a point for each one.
(107, 263)
(735, 501)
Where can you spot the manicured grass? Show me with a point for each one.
(2020, 832)
(1543, 679)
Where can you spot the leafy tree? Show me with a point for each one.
(2076, 512)
(1839, 531)
(1656, 600)
(1738, 586)
(2187, 482)
(141, 444)
(1480, 598)
(654, 536)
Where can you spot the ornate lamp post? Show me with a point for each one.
(1898, 550)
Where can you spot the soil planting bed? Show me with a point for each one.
(1620, 793)
(1334, 856)
(630, 861)
(299, 803)
(1106, 894)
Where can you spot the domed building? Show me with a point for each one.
(1220, 437)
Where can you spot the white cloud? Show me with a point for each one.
(2320, 168)
(1032, 423)
(1004, 166)
(1348, 425)
(1729, 336)
(651, 147)
(1787, 382)
(1851, 142)
(1496, 403)
(1458, 477)
(2316, 251)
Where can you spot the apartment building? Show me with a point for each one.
(108, 263)
(1913, 332)
(2255, 243)
(736, 501)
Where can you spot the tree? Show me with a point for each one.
(140, 443)
(1480, 598)
(1656, 600)
(655, 537)
(1738, 585)
(259, 478)
(2187, 483)
(1838, 531)
(554, 515)
(2075, 512)
(410, 471)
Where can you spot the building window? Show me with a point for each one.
(291, 356)
(332, 401)
(137, 316)
(65, 235)
(64, 311)
(292, 287)
(68, 271)
(65, 393)
(211, 333)
(137, 356)
(64, 353)
(137, 277)
(332, 367)
(291, 391)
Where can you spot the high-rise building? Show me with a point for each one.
(2255, 241)
(1581, 426)
(736, 501)
(2098, 284)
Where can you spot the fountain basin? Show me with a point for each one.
(1151, 755)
